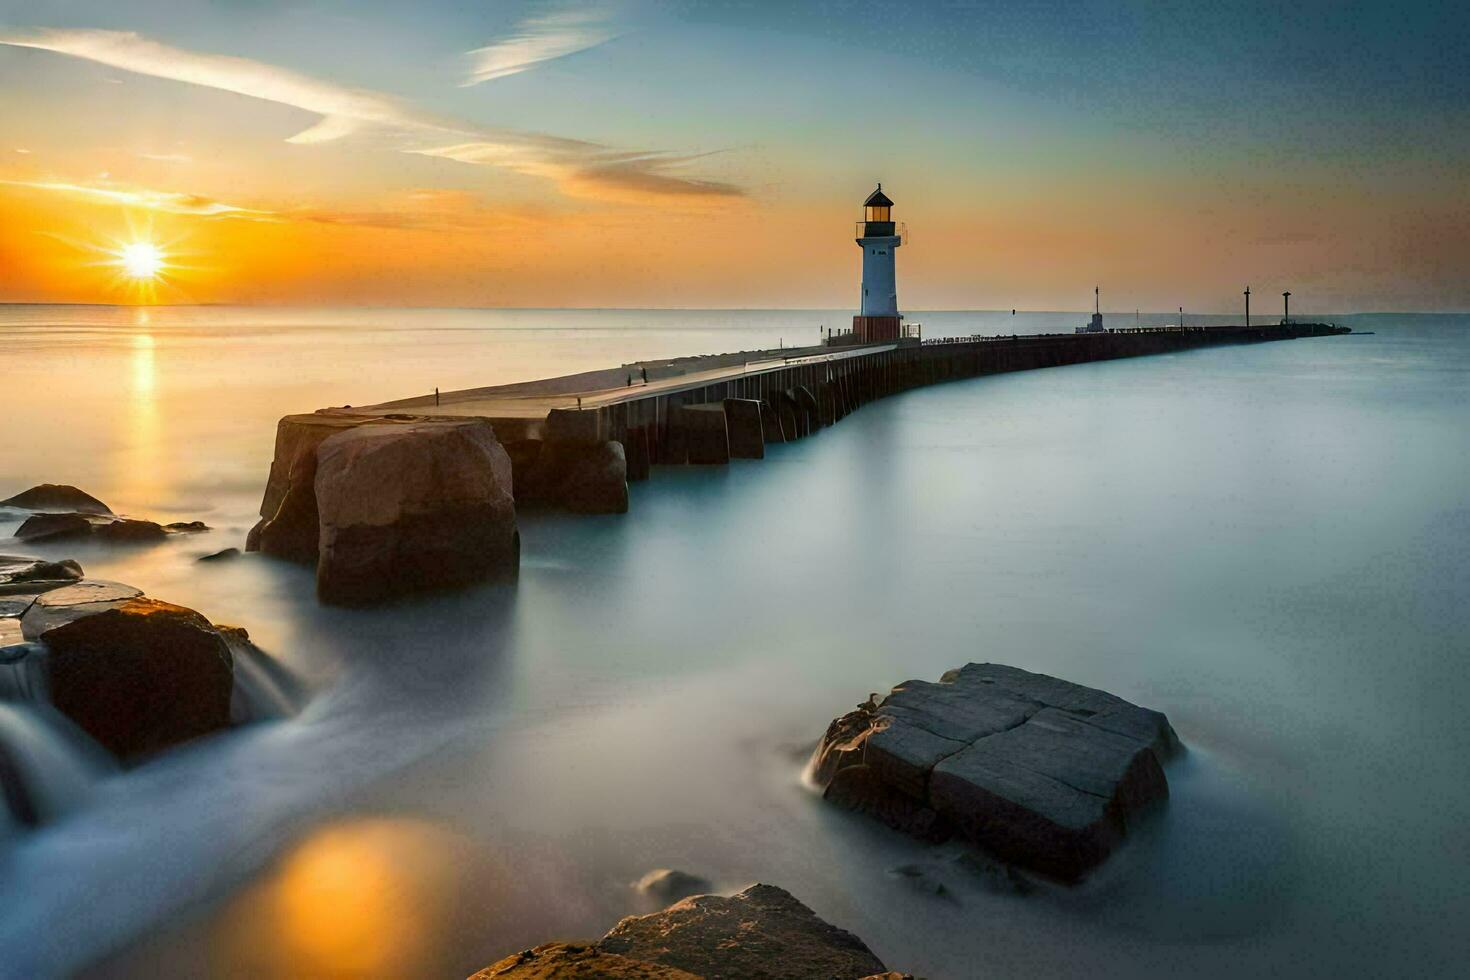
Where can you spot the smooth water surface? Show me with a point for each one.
(1270, 543)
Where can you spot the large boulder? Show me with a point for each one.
(56, 497)
(1041, 772)
(49, 526)
(114, 530)
(761, 932)
(411, 506)
(136, 674)
(288, 517)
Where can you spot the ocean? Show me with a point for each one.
(1270, 543)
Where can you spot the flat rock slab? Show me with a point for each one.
(1042, 772)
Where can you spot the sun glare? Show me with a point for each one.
(141, 260)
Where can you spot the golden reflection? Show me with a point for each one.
(363, 898)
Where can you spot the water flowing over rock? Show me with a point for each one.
(407, 507)
(1043, 773)
(135, 674)
(56, 497)
(762, 932)
(47, 766)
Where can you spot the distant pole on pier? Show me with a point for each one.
(1286, 307)
(1096, 299)
(1181, 318)
(1247, 307)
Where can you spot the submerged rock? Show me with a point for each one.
(224, 555)
(762, 932)
(56, 496)
(1043, 773)
(410, 506)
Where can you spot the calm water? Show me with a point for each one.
(1271, 544)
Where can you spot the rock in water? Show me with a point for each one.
(745, 428)
(1041, 772)
(761, 932)
(138, 675)
(409, 506)
(288, 517)
(40, 527)
(560, 961)
(56, 496)
(585, 478)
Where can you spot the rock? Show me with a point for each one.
(1041, 772)
(410, 506)
(40, 527)
(34, 576)
(555, 961)
(761, 932)
(113, 530)
(186, 527)
(140, 675)
(706, 437)
(668, 885)
(128, 530)
(288, 517)
(224, 555)
(791, 407)
(743, 422)
(585, 478)
(70, 602)
(569, 425)
(58, 497)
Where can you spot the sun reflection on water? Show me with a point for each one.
(361, 898)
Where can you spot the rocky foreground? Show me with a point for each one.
(762, 933)
(1040, 772)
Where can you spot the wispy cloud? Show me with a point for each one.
(540, 39)
(579, 168)
(167, 157)
(172, 202)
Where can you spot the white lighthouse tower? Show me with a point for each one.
(879, 238)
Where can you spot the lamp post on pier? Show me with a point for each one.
(1247, 307)
(1286, 307)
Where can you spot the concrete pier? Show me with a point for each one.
(710, 409)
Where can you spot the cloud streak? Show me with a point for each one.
(538, 40)
(172, 202)
(579, 168)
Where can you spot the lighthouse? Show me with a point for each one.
(878, 318)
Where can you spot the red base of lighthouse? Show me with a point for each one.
(875, 329)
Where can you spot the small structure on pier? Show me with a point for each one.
(879, 237)
(1095, 324)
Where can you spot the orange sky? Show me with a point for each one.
(270, 174)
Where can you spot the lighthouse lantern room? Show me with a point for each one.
(878, 318)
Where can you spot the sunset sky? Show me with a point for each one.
(686, 154)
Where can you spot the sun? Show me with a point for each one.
(141, 260)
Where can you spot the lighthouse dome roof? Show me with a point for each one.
(878, 199)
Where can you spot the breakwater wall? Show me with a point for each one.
(736, 415)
